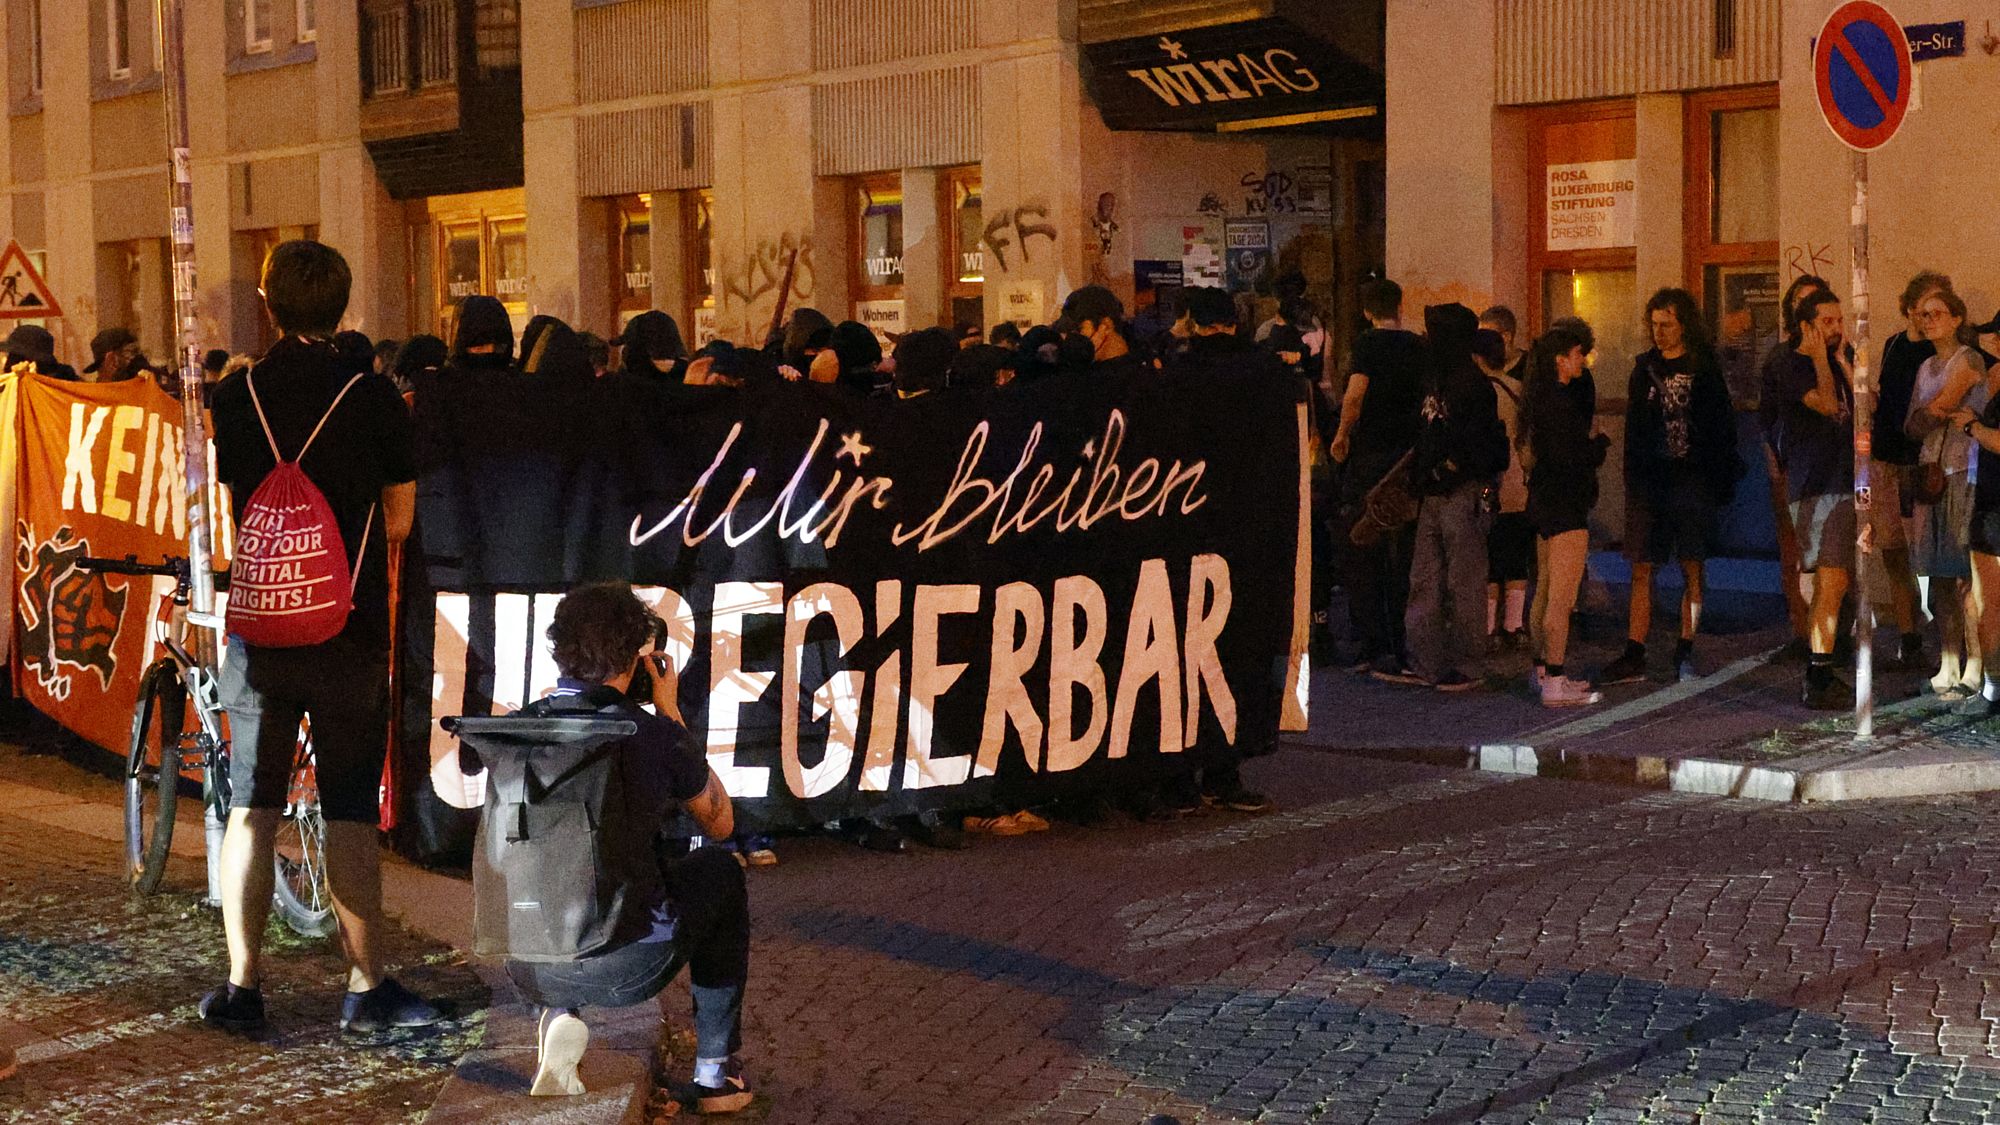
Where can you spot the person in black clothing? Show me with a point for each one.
(651, 349)
(1811, 402)
(420, 355)
(356, 351)
(115, 356)
(1460, 448)
(1895, 466)
(1562, 453)
(697, 914)
(1771, 371)
(852, 361)
(1005, 334)
(551, 349)
(1099, 318)
(483, 339)
(363, 462)
(35, 346)
(806, 334)
(1984, 540)
(1378, 426)
(1681, 470)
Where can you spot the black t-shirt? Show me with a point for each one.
(1816, 451)
(1901, 357)
(366, 446)
(1393, 361)
(660, 766)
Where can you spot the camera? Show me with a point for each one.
(642, 679)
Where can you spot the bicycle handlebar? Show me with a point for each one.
(173, 566)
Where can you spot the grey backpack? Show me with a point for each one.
(556, 866)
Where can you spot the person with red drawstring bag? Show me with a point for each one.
(320, 461)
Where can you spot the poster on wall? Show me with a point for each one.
(884, 318)
(704, 326)
(1593, 205)
(1248, 242)
(1024, 303)
(1201, 257)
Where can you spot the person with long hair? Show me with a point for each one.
(1983, 538)
(1563, 456)
(1681, 470)
(1895, 474)
(1951, 380)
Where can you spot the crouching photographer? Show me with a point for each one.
(570, 885)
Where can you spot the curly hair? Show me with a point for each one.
(597, 631)
(1680, 302)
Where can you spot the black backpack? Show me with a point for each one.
(556, 866)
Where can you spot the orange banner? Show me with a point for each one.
(100, 473)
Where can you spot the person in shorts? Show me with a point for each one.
(1811, 404)
(1681, 470)
(1896, 455)
(1510, 544)
(363, 461)
(1984, 539)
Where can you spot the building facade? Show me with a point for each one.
(905, 163)
(1584, 153)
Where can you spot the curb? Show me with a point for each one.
(1708, 776)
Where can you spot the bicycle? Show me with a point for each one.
(162, 748)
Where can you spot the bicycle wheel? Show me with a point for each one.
(152, 775)
(300, 893)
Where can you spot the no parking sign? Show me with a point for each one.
(1862, 73)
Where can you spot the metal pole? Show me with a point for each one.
(194, 429)
(1864, 450)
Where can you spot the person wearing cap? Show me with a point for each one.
(1099, 317)
(114, 356)
(31, 344)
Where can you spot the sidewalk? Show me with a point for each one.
(1738, 731)
(100, 992)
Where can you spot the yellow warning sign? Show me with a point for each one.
(23, 293)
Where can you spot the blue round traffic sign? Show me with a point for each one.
(1862, 73)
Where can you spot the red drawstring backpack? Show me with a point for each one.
(290, 584)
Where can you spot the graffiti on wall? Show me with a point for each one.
(1015, 229)
(755, 277)
(1808, 258)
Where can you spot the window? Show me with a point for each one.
(632, 254)
(878, 244)
(965, 280)
(256, 26)
(118, 37)
(698, 241)
(1731, 207)
(1583, 245)
(308, 21)
(35, 48)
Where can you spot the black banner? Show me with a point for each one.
(876, 606)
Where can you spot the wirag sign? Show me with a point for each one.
(880, 606)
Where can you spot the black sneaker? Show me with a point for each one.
(872, 836)
(385, 1006)
(1794, 652)
(1826, 693)
(1629, 668)
(731, 1096)
(234, 1009)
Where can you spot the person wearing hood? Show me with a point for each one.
(1461, 448)
(484, 338)
(35, 346)
(357, 352)
(852, 360)
(806, 335)
(552, 349)
(651, 348)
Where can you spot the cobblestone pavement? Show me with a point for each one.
(1397, 944)
(98, 991)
